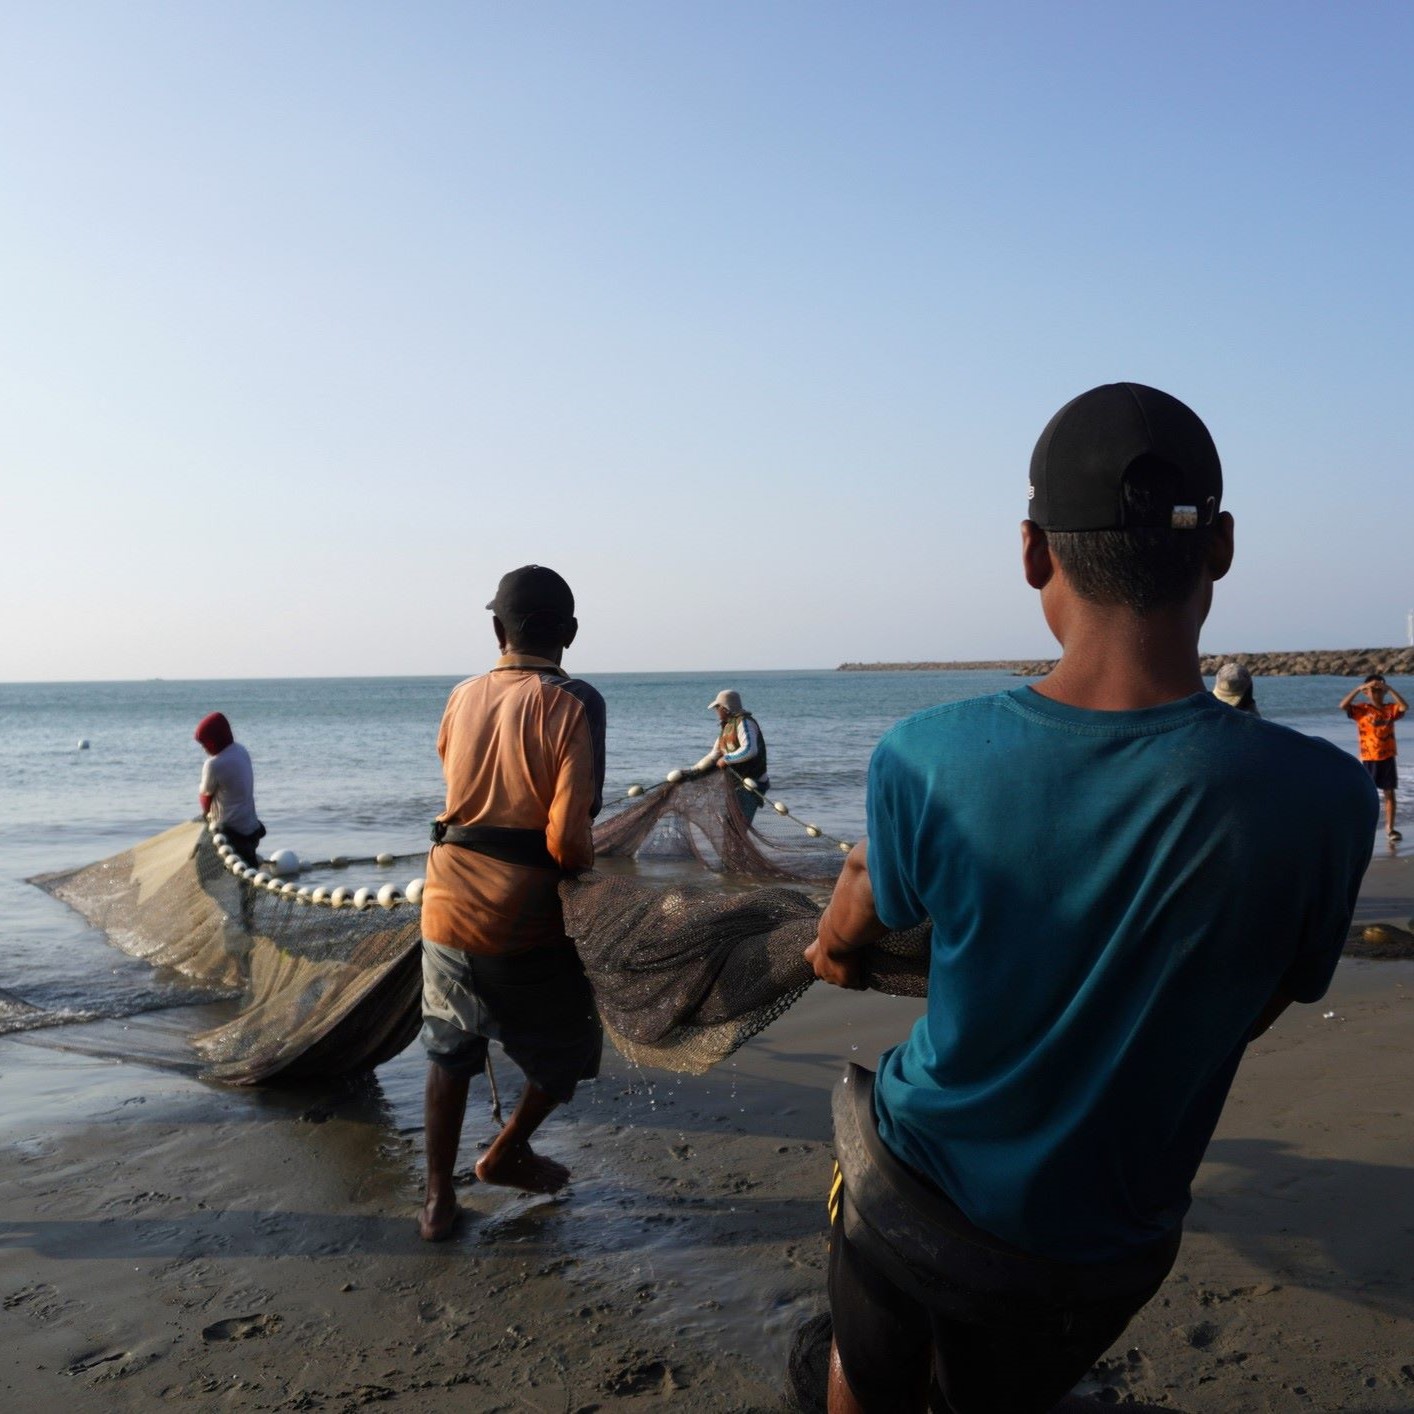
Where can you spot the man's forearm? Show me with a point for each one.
(849, 921)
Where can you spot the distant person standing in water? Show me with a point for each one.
(227, 790)
(1234, 686)
(739, 746)
(1376, 719)
(522, 751)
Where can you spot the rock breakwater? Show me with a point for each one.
(1311, 662)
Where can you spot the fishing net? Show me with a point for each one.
(323, 992)
(701, 818)
(682, 974)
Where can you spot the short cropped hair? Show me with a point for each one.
(1143, 569)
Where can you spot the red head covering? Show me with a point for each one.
(213, 731)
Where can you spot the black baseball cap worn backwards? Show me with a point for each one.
(532, 591)
(1092, 445)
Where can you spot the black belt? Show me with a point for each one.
(498, 842)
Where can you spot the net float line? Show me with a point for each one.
(783, 810)
(276, 878)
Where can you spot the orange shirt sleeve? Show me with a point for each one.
(569, 830)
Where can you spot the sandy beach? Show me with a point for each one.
(167, 1242)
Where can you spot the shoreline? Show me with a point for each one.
(1312, 662)
(165, 1239)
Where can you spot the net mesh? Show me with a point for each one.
(323, 992)
(683, 974)
(701, 819)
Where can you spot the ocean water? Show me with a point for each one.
(350, 766)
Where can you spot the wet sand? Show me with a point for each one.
(167, 1243)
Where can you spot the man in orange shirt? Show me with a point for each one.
(1376, 719)
(522, 751)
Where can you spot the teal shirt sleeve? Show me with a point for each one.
(891, 815)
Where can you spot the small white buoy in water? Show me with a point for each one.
(413, 892)
(390, 896)
(813, 831)
(384, 859)
(339, 897)
(339, 861)
(845, 846)
(284, 861)
(779, 806)
(748, 783)
(83, 743)
(320, 895)
(674, 776)
(633, 792)
(261, 879)
(363, 898)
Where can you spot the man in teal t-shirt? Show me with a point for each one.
(1126, 880)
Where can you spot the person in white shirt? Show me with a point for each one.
(227, 790)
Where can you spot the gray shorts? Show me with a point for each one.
(538, 1005)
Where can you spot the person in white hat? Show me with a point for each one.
(739, 746)
(1234, 686)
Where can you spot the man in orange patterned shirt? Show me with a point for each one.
(522, 750)
(1376, 719)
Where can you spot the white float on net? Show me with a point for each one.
(284, 861)
(779, 806)
(319, 895)
(813, 831)
(633, 792)
(384, 859)
(673, 776)
(390, 896)
(363, 898)
(413, 892)
(339, 897)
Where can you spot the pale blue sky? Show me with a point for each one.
(316, 317)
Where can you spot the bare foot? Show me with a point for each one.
(521, 1167)
(438, 1218)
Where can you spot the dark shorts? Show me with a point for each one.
(243, 844)
(538, 1005)
(890, 1345)
(1384, 773)
(925, 1302)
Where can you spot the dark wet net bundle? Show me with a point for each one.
(684, 975)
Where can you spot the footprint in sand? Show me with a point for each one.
(242, 1327)
(645, 1377)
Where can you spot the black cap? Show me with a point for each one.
(531, 591)
(1089, 448)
